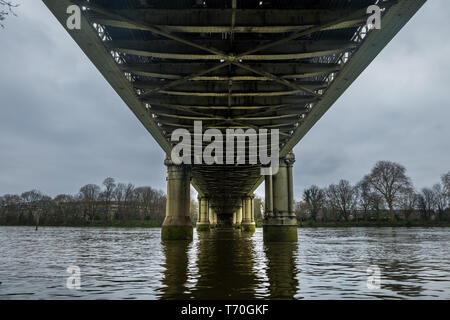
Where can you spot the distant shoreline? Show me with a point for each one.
(374, 224)
(303, 224)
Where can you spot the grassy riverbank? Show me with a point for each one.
(303, 224)
(350, 224)
(101, 224)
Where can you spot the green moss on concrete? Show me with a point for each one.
(177, 233)
(273, 233)
(202, 227)
(248, 227)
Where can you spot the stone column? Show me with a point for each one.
(239, 218)
(247, 223)
(177, 224)
(281, 223)
(203, 217)
(268, 196)
(252, 210)
(212, 216)
(215, 218)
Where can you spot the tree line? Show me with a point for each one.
(111, 204)
(385, 194)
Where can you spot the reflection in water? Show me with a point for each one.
(175, 273)
(326, 263)
(224, 267)
(281, 270)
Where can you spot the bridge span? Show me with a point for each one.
(231, 64)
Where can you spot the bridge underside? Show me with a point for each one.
(277, 64)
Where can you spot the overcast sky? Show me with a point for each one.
(62, 126)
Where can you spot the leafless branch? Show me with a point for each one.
(6, 8)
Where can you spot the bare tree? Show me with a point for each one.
(107, 195)
(62, 202)
(193, 208)
(390, 180)
(119, 197)
(129, 197)
(11, 208)
(315, 197)
(6, 9)
(408, 201)
(427, 202)
(446, 183)
(31, 200)
(365, 197)
(89, 195)
(259, 208)
(342, 197)
(302, 210)
(440, 196)
(377, 204)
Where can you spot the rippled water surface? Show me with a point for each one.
(326, 263)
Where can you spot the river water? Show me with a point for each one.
(326, 263)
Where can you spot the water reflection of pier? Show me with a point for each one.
(227, 264)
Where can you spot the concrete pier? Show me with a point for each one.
(248, 222)
(212, 217)
(238, 222)
(177, 225)
(280, 223)
(203, 216)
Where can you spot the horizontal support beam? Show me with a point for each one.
(218, 20)
(239, 88)
(174, 71)
(210, 102)
(169, 49)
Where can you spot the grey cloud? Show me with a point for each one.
(61, 125)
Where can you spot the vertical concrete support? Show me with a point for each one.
(268, 196)
(212, 216)
(237, 218)
(248, 224)
(281, 223)
(177, 224)
(203, 214)
(215, 218)
(252, 210)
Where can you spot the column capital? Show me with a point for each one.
(169, 163)
(288, 160)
